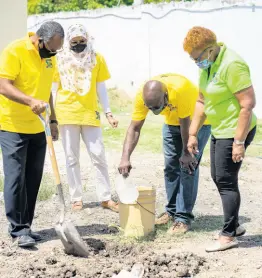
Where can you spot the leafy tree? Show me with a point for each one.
(51, 6)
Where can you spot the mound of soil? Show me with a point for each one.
(107, 259)
(41, 271)
(156, 265)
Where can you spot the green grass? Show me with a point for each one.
(46, 191)
(119, 101)
(121, 105)
(47, 188)
(150, 139)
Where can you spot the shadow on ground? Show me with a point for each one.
(210, 223)
(88, 230)
(250, 241)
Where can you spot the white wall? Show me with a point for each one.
(139, 42)
(13, 20)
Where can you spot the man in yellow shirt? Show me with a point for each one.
(26, 72)
(174, 97)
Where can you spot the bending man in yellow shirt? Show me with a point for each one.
(26, 73)
(174, 97)
(81, 78)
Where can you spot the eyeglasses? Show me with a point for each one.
(53, 51)
(158, 109)
(198, 59)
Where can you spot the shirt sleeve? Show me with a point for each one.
(140, 110)
(103, 72)
(103, 96)
(238, 77)
(184, 103)
(9, 64)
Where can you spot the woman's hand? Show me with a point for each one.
(238, 153)
(112, 121)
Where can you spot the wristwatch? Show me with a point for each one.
(238, 142)
(53, 122)
(109, 114)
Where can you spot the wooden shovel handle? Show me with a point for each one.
(53, 159)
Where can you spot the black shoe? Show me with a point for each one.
(35, 236)
(25, 241)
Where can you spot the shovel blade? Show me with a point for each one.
(71, 239)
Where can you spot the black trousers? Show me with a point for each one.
(224, 173)
(23, 161)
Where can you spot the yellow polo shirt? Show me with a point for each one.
(73, 109)
(21, 63)
(182, 97)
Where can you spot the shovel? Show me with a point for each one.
(66, 231)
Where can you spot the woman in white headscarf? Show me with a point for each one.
(81, 75)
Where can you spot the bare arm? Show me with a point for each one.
(8, 90)
(132, 137)
(197, 122)
(184, 129)
(131, 140)
(199, 116)
(247, 102)
(52, 109)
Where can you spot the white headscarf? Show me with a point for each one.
(75, 69)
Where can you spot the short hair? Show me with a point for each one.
(198, 38)
(49, 29)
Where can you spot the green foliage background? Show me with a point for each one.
(53, 6)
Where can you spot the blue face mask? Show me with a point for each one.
(205, 64)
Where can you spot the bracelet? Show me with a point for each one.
(53, 122)
(238, 142)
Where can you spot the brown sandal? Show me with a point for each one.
(110, 205)
(77, 205)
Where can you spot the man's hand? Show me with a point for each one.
(188, 161)
(112, 121)
(37, 106)
(124, 167)
(192, 145)
(238, 153)
(54, 131)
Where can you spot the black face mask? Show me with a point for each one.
(78, 48)
(45, 53)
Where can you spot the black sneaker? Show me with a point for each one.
(25, 241)
(35, 236)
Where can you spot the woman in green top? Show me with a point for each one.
(227, 100)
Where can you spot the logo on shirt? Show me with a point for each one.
(214, 79)
(49, 64)
(171, 107)
(97, 115)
